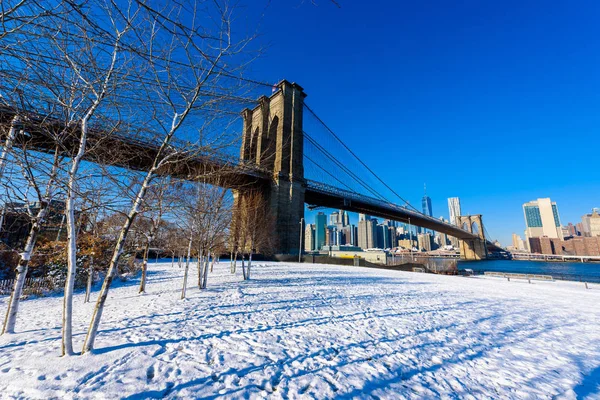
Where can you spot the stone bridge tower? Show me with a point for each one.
(473, 249)
(273, 139)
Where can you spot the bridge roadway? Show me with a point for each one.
(137, 152)
(320, 194)
(190, 163)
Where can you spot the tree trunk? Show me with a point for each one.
(10, 138)
(144, 267)
(212, 264)
(187, 267)
(249, 265)
(15, 296)
(22, 267)
(67, 336)
(200, 266)
(88, 288)
(234, 270)
(243, 268)
(90, 338)
(205, 271)
(172, 259)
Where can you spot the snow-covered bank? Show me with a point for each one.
(315, 331)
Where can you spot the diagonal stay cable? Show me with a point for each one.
(343, 167)
(328, 173)
(355, 156)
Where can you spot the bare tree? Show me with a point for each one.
(177, 46)
(40, 180)
(255, 227)
(155, 206)
(213, 215)
(97, 79)
(185, 212)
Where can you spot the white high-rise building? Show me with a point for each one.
(542, 219)
(454, 210)
(309, 237)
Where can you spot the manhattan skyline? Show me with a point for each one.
(484, 98)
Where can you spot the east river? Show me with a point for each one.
(589, 272)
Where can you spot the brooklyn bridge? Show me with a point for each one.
(278, 156)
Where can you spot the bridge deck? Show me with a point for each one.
(320, 194)
(136, 152)
(191, 163)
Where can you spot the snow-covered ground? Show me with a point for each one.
(316, 331)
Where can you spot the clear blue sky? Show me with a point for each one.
(497, 103)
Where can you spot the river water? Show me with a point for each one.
(589, 272)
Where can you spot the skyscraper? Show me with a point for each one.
(353, 235)
(454, 210)
(320, 230)
(426, 205)
(367, 235)
(309, 237)
(345, 218)
(542, 219)
(334, 218)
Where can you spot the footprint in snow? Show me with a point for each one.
(150, 373)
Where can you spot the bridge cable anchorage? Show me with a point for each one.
(359, 160)
(342, 166)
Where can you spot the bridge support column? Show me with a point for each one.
(273, 139)
(473, 249)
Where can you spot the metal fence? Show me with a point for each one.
(555, 276)
(33, 286)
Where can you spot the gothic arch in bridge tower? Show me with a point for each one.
(273, 139)
(473, 249)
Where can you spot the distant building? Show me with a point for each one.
(367, 235)
(406, 243)
(542, 219)
(572, 229)
(334, 218)
(424, 240)
(594, 224)
(320, 230)
(331, 236)
(309, 237)
(579, 246)
(345, 218)
(589, 224)
(517, 242)
(353, 235)
(579, 227)
(454, 210)
(385, 236)
(426, 207)
(442, 239)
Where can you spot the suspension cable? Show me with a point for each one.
(359, 160)
(343, 167)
